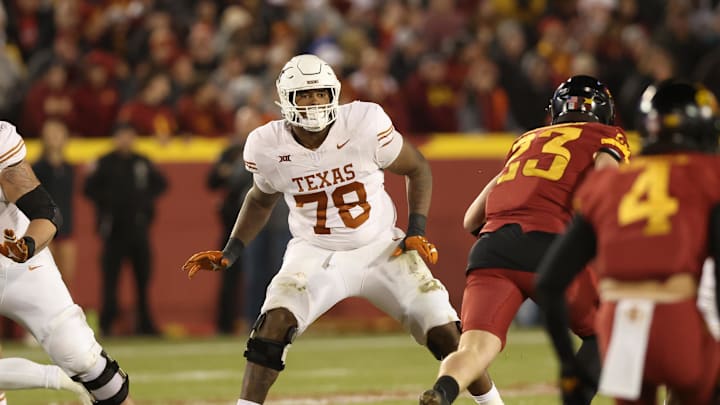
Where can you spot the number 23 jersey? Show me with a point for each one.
(542, 170)
(336, 193)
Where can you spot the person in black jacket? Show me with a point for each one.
(124, 187)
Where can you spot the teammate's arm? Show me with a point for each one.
(475, 214)
(566, 257)
(412, 164)
(605, 159)
(22, 187)
(254, 214)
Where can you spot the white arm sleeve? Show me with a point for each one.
(706, 298)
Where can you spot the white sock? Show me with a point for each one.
(3, 399)
(241, 402)
(491, 397)
(17, 373)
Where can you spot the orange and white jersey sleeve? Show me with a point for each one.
(254, 160)
(388, 141)
(12, 146)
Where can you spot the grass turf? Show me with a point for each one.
(385, 369)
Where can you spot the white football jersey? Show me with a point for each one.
(12, 151)
(336, 193)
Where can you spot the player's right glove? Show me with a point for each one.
(212, 260)
(576, 386)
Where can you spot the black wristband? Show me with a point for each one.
(30, 243)
(416, 224)
(233, 250)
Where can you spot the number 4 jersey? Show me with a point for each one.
(542, 171)
(335, 193)
(651, 216)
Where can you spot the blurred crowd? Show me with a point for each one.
(177, 67)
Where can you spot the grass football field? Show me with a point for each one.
(382, 369)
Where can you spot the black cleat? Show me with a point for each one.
(433, 397)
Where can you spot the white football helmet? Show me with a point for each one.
(307, 72)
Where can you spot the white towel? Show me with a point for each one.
(706, 298)
(624, 363)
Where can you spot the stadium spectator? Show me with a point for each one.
(432, 101)
(334, 230)
(57, 175)
(373, 82)
(124, 186)
(522, 209)
(149, 112)
(650, 329)
(50, 98)
(201, 113)
(30, 26)
(97, 96)
(485, 105)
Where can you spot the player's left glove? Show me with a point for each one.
(576, 386)
(415, 240)
(19, 250)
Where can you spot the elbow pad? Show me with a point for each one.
(37, 203)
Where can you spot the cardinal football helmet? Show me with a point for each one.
(582, 98)
(677, 115)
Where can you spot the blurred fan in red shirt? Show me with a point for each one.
(97, 98)
(148, 112)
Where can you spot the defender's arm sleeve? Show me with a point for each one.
(616, 145)
(567, 257)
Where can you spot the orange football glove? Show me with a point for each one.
(212, 260)
(419, 243)
(14, 248)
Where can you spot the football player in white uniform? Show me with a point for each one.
(33, 293)
(328, 161)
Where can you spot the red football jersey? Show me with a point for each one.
(542, 171)
(651, 216)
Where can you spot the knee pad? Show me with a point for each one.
(268, 352)
(110, 386)
(70, 342)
